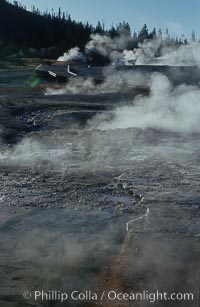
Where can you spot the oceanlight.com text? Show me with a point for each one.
(112, 295)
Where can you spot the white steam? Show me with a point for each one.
(116, 48)
(101, 44)
(176, 110)
(183, 55)
(152, 51)
(144, 54)
(115, 81)
(27, 151)
(106, 45)
(73, 54)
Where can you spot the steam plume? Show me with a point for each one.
(166, 108)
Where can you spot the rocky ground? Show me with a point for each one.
(82, 208)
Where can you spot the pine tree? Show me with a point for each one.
(143, 33)
(153, 34)
(193, 39)
(59, 13)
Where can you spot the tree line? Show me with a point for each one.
(49, 34)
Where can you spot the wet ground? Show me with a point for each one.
(87, 209)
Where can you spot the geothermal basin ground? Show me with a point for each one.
(89, 205)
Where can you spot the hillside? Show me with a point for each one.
(23, 29)
(48, 35)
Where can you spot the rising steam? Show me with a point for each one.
(176, 110)
(116, 49)
(73, 54)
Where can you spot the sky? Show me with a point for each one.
(178, 16)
